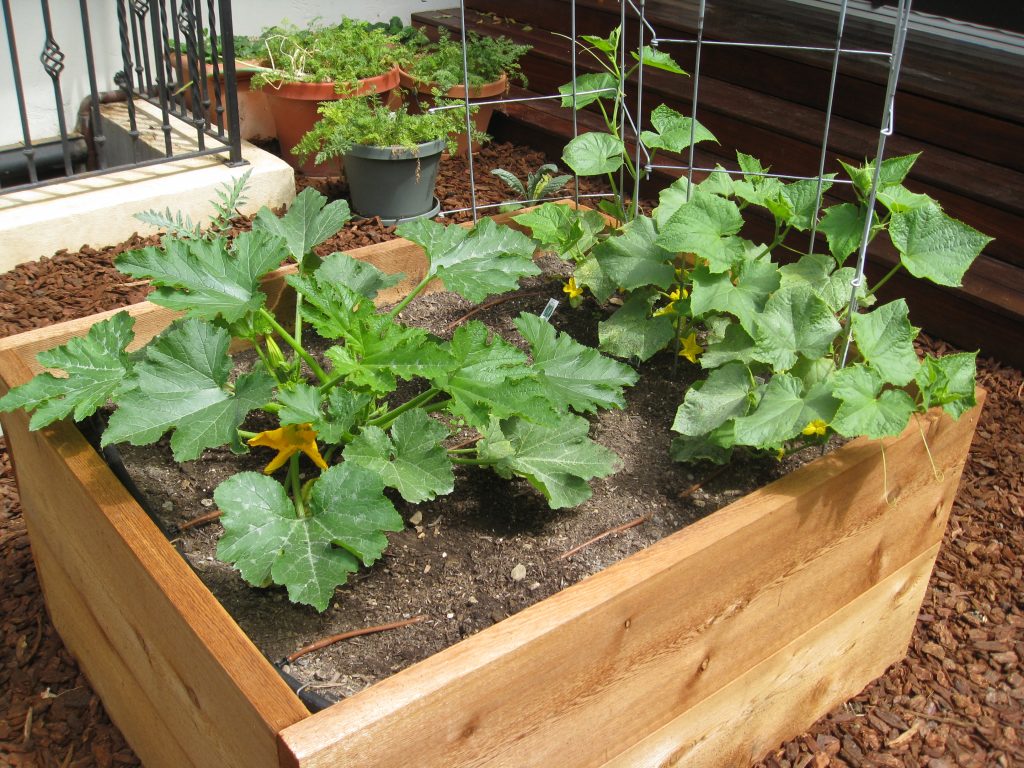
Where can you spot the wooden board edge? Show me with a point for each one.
(787, 692)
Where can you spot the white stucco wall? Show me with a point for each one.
(250, 16)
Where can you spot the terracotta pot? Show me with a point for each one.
(294, 106)
(423, 94)
(254, 117)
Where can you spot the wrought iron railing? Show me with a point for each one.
(177, 55)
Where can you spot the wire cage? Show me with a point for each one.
(638, 33)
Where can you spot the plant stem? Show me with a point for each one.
(296, 484)
(295, 345)
(420, 400)
(246, 435)
(885, 279)
(266, 363)
(470, 462)
(412, 295)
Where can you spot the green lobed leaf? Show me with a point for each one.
(604, 83)
(894, 170)
(313, 555)
(658, 59)
(594, 153)
(207, 278)
(795, 321)
(705, 226)
(885, 339)
(948, 381)
(805, 200)
(379, 351)
(864, 408)
(490, 376)
(330, 307)
(670, 199)
(843, 227)
(557, 460)
(783, 411)
(575, 376)
(736, 344)
(726, 393)
(759, 189)
(412, 460)
(96, 365)
(488, 259)
(632, 333)
(567, 231)
(818, 271)
(631, 257)
(182, 385)
(672, 131)
(358, 276)
(935, 246)
(305, 404)
(715, 446)
(309, 221)
(745, 299)
(588, 274)
(898, 199)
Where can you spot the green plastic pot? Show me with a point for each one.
(394, 183)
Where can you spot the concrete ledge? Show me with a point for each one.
(99, 211)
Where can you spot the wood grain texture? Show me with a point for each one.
(585, 674)
(176, 674)
(815, 673)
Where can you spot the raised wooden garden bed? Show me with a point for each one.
(706, 649)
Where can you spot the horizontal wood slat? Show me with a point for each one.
(812, 674)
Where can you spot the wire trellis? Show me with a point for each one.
(630, 121)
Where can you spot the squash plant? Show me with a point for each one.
(339, 410)
(790, 356)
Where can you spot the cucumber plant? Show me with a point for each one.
(789, 357)
(337, 414)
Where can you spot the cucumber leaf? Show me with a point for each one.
(594, 153)
(885, 339)
(672, 131)
(935, 246)
(705, 226)
(632, 259)
(948, 381)
(632, 332)
(604, 83)
(726, 393)
(795, 321)
(865, 409)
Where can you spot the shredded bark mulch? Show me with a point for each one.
(956, 700)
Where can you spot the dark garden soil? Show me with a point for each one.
(955, 701)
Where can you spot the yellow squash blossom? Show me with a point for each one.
(572, 289)
(690, 348)
(816, 427)
(289, 440)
